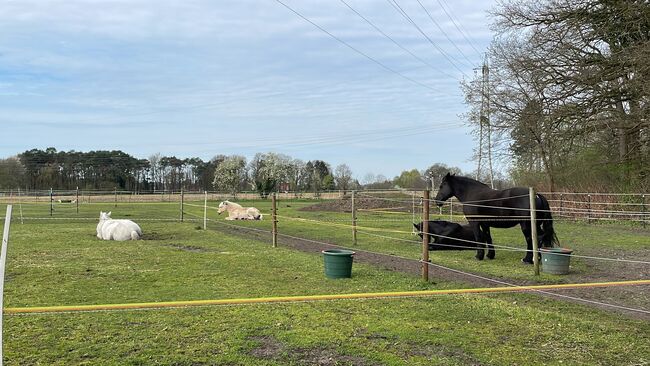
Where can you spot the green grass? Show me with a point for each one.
(63, 263)
(584, 239)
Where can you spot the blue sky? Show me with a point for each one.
(201, 78)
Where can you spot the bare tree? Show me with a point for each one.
(569, 83)
(343, 177)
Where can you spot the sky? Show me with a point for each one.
(370, 83)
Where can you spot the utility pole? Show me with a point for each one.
(485, 128)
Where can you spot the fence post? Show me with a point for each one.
(533, 227)
(115, 196)
(413, 214)
(643, 218)
(561, 213)
(182, 201)
(451, 210)
(588, 209)
(274, 215)
(205, 210)
(3, 260)
(354, 219)
(425, 236)
(20, 208)
(51, 201)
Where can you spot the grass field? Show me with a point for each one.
(61, 262)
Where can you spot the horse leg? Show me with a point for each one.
(527, 231)
(488, 239)
(478, 235)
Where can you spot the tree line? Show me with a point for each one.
(266, 172)
(568, 93)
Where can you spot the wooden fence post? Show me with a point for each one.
(77, 199)
(643, 217)
(182, 201)
(274, 215)
(51, 201)
(561, 205)
(354, 219)
(533, 227)
(588, 209)
(451, 210)
(20, 208)
(115, 196)
(205, 210)
(413, 214)
(425, 236)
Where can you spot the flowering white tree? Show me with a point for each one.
(230, 174)
(267, 170)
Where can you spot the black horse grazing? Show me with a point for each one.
(445, 235)
(485, 207)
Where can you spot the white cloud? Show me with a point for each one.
(240, 67)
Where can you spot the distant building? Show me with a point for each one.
(284, 187)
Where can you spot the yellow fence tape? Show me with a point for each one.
(288, 299)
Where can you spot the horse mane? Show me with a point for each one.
(468, 180)
(236, 205)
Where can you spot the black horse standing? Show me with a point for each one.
(485, 207)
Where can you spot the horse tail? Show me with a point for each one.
(260, 217)
(548, 236)
(135, 235)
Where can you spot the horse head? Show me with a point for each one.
(223, 206)
(104, 215)
(437, 227)
(444, 191)
(438, 230)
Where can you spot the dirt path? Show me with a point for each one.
(636, 297)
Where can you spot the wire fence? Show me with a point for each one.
(587, 207)
(409, 210)
(445, 268)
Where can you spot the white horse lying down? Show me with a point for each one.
(120, 230)
(237, 212)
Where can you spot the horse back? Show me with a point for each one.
(120, 230)
(498, 208)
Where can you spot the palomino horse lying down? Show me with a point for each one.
(120, 230)
(238, 212)
(445, 235)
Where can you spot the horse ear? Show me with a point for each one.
(448, 174)
(417, 226)
(109, 213)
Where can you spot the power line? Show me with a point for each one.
(402, 12)
(469, 41)
(444, 33)
(385, 67)
(397, 43)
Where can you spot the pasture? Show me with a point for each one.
(60, 261)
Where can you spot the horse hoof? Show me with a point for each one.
(525, 261)
(479, 258)
(491, 256)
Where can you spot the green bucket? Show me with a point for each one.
(556, 260)
(338, 263)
